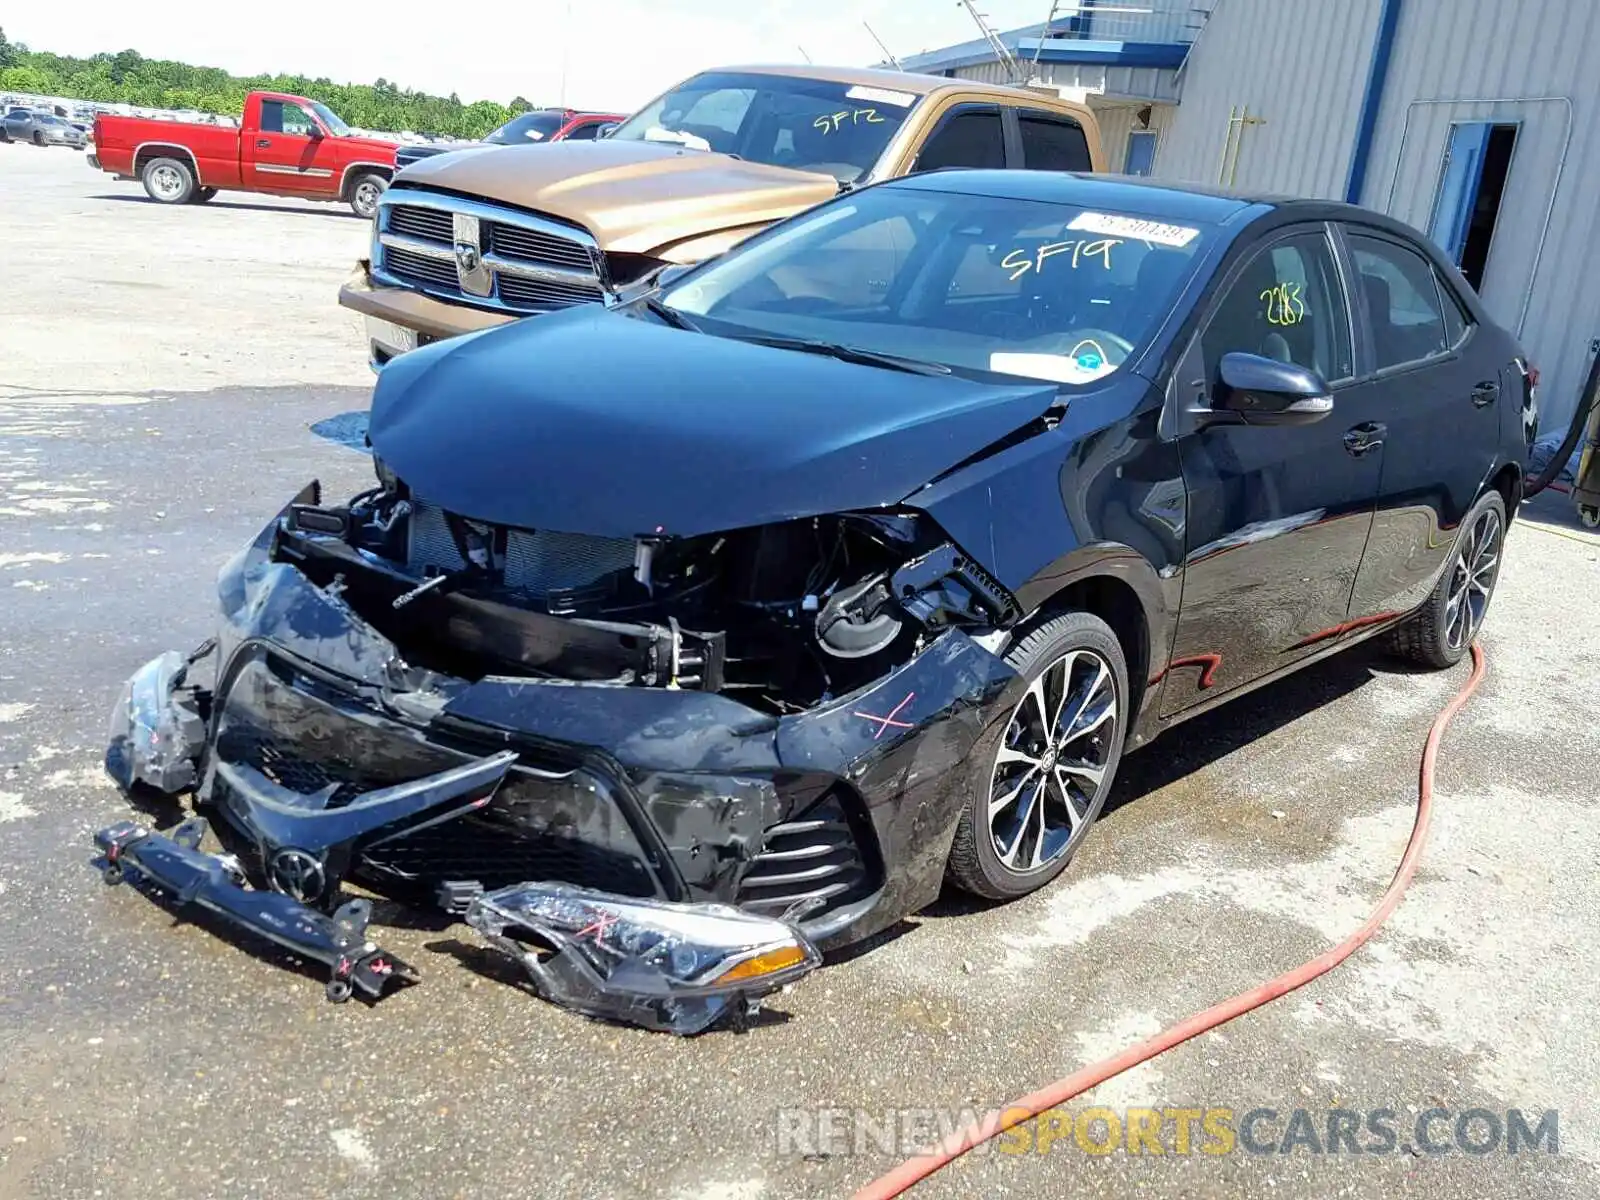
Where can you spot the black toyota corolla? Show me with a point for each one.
(841, 566)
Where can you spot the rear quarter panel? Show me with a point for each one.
(214, 149)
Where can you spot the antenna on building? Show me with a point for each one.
(803, 53)
(1044, 32)
(1001, 52)
(887, 53)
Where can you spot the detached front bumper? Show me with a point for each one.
(305, 721)
(399, 319)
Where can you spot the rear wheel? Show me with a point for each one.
(1034, 797)
(168, 180)
(1440, 633)
(364, 193)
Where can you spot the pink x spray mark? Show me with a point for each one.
(888, 722)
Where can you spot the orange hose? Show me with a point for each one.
(908, 1173)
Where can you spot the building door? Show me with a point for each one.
(1472, 181)
(1141, 159)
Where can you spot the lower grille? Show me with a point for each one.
(542, 295)
(814, 856)
(437, 273)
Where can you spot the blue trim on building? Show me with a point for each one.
(1028, 40)
(1372, 101)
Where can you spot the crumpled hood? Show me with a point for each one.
(590, 421)
(634, 197)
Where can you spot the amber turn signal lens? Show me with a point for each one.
(764, 964)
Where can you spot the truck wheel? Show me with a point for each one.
(364, 193)
(201, 195)
(168, 180)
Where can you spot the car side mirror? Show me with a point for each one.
(315, 133)
(1263, 391)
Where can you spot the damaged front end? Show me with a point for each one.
(725, 748)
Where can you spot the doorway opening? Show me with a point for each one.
(1472, 183)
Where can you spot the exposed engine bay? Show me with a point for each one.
(781, 617)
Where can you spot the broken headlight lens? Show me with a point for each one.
(156, 730)
(678, 968)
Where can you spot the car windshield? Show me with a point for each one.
(330, 119)
(979, 284)
(819, 125)
(529, 127)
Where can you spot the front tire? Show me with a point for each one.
(1034, 797)
(203, 195)
(168, 180)
(1440, 633)
(364, 193)
(38, 140)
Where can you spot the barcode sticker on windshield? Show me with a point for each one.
(1134, 227)
(881, 96)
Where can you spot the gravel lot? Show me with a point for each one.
(162, 375)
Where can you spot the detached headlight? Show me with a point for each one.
(678, 968)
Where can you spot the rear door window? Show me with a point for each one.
(1403, 303)
(966, 137)
(1051, 143)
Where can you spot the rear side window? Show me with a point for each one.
(1403, 303)
(965, 138)
(1053, 143)
(584, 133)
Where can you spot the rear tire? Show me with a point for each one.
(1440, 633)
(202, 195)
(1033, 798)
(168, 180)
(364, 193)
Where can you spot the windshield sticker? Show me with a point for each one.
(1134, 227)
(829, 122)
(1085, 364)
(1284, 306)
(1020, 261)
(881, 96)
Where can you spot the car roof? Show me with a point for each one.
(1162, 199)
(1086, 191)
(898, 81)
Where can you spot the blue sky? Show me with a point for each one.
(612, 53)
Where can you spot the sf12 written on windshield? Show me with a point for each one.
(829, 122)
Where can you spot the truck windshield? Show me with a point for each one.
(330, 119)
(819, 125)
(529, 127)
(978, 284)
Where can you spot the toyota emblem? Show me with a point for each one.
(467, 257)
(297, 874)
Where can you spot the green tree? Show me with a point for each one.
(130, 78)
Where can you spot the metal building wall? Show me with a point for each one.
(1532, 64)
(1117, 121)
(1301, 66)
(1152, 83)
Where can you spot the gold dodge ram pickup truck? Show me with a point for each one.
(465, 241)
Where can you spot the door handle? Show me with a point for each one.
(263, 143)
(1359, 439)
(1485, 393)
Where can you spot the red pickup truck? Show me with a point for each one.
(285, 145)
